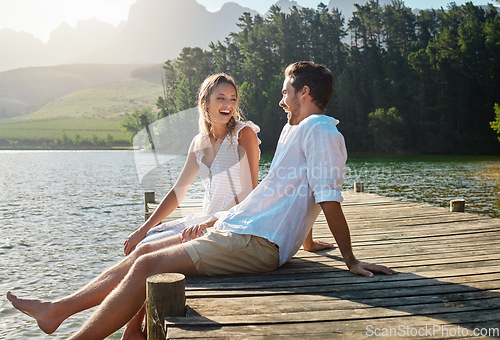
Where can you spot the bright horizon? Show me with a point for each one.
(40, 18)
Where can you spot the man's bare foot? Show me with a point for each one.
(133, 333)
(40, 310)
(318, 245)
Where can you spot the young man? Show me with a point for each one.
(260, 234)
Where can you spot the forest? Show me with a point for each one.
(404, 82)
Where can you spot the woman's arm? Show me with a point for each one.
(176, 195)
(169, 203)
(249, 153)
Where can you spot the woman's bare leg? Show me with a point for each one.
(49, 315)
(126, 300)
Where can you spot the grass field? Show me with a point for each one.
(53, 128)
(111, 101)
(90, 115)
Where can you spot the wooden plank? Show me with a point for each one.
(402, 280)
(352, 329)
(289, 303)
(450, 278)
(221, 282)
(430, 309)
(356, 291)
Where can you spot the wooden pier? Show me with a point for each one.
(448, 286)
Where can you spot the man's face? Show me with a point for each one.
(290, 102)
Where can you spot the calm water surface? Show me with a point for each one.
(64, 215)
(431, 179)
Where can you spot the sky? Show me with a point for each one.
(40, 17)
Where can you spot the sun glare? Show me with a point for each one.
(42, 17)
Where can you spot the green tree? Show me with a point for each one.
(109, 140)
(495, 125)
(137, 121)
(440, 68)
(65, 140)
(77, 139)
(182, 78)
(388, 130)
(166, 103)
(95, 140)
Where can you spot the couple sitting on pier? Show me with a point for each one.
(259, 234)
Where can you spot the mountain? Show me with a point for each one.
(21, 49)
(156, 30)
(68, 44)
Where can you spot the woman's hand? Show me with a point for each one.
(194, 231)
(132, 240)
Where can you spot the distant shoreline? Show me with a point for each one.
(37, 145)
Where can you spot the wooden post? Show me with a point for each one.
(149, 197)
(457, 205)
(358, 187)
(165, 296)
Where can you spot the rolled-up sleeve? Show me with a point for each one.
(326, 155)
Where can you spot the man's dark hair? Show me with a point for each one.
(318, 78)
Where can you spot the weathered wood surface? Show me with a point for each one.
(165, 296)
(185, 208)
(449, 281)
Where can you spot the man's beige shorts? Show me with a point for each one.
(222, 253)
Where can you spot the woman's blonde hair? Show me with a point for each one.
(206, 89)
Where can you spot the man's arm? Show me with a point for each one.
(340, 230)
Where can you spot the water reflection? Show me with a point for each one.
(430, 179)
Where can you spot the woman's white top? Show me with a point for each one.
(222, 181)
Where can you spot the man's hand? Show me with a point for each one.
(367, 269)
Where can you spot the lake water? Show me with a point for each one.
(64, 215)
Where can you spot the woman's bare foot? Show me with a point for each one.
(41, 311)
(133, 333)
(133, 329)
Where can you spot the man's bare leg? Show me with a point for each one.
(49, 315)
(126, 300)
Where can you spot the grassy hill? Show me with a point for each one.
(25, 90)
(105, 102)
(82, 117)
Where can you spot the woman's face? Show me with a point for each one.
(222, 103)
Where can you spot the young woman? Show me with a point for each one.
(225, 154)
